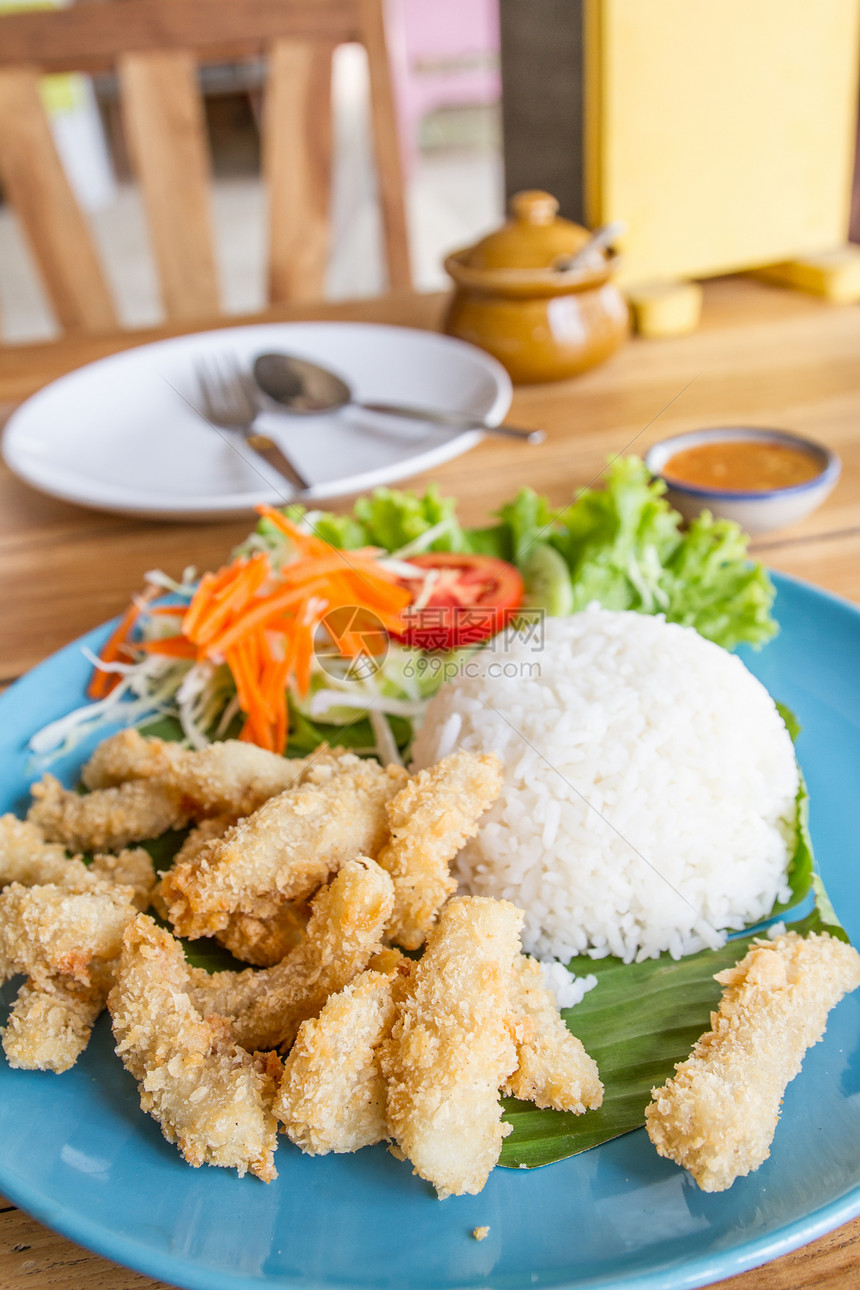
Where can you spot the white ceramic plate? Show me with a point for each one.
(122, 434)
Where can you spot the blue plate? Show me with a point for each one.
(77, 1152)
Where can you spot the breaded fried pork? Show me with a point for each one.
(210, 1097)
(131, 867)
(107, 819)
(48, 931)
(227, 778)
(212, 829)
(128, 755)
(332, 1096)
(66, 944)
(553, 1068)
(718, 1115)
(266, 939)
(451, 1047)
(266, 1007)
(430, 819)
(262, 938)
(286, 849)
(49, 1026)
(26, 858)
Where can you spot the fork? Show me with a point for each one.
(228, 398)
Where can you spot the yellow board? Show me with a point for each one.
(721, 131)
(665, 308)
(835, 275)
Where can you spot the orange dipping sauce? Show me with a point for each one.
(742, 466)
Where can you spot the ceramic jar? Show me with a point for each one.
(542, 322)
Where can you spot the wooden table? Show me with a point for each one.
(762, 357)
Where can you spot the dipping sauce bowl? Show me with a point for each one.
(741, 473)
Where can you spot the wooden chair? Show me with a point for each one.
(154, 46)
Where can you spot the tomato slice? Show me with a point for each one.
(459, 599)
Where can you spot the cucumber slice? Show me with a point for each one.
(547, 581)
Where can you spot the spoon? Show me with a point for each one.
(601, 237)
(307, 389)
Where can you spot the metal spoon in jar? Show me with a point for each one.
(588, 253)
(306, 389)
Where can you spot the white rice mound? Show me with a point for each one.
(650, 783)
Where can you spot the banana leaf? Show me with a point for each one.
(637, 1023)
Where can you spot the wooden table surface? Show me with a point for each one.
(762, 357)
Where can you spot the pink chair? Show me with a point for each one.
(444, 53)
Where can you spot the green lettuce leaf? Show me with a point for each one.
(617, 539)
(390, 518)
(713, 587)
(393, 518)
(623, 543)
(307, 735)
(342, 531)
(626, 548)
(527, 518)
(792, 724)
(801, 866)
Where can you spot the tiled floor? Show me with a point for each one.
(453, 196)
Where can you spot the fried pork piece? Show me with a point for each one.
(386, 960)
(66, 943)
(127, 755)
(285, 849)
(332, 1095)
(553, 1068)
(209, 830)
(228, 778)
(236, 778)
(451, 1047)
(266, 1007)
(50, 1026)
(265, 940)
(430, 819)
(196, 844)
(26, 858)
(48, 931)
(131, 867)
(262, 938)
(718, 1115)
(210, 1097)
(107, 819)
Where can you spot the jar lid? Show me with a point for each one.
(534, 237)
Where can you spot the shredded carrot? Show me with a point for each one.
(300, 538)
(170, 646)
(302, 662)
(255, 616)
(263, 622)
(233, 596)
(101, 683)
(199, 601)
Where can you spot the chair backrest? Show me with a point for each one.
(154, 46)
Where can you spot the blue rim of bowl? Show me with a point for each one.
(761, 434)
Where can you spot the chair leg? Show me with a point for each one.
(389, 166)
(297, 152)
